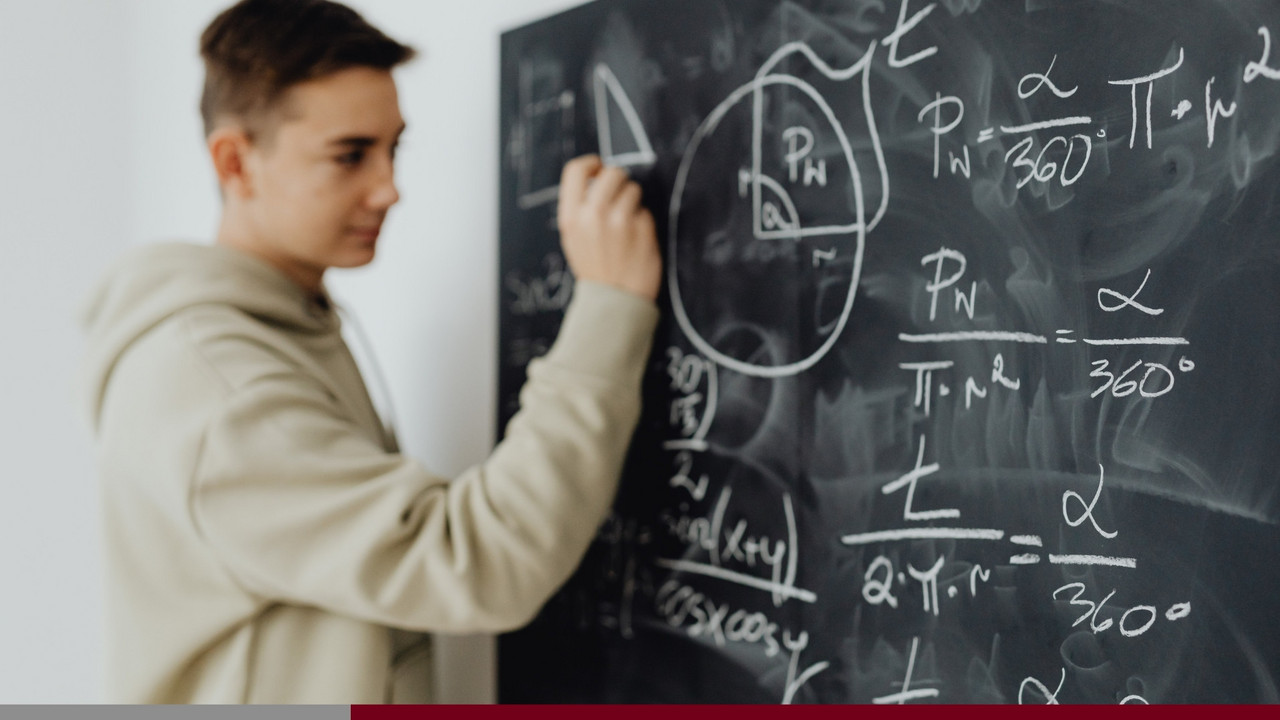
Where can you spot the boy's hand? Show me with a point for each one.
(607, 235)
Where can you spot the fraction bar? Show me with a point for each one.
(1060, 122)
(923, 534)
(927, 366)
(1140, 341)
(1033, 540)
(974, 335)
(1093, 560)
(698, 568)
(1028, 559)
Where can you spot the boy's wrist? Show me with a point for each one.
(607, 331)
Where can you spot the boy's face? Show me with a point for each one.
(322, 183)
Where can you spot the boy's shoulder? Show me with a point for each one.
(240, 348)
(209, 344)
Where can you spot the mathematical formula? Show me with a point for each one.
(736, 555)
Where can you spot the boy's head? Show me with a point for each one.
(302, 121)
(255, 51)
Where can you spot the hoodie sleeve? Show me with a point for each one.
(302, 507)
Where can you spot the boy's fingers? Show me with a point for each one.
(576, 177)
(646, 220)
(629, 198)
(606, 185)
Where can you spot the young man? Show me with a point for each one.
(265, 541)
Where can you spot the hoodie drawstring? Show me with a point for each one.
(382, 392)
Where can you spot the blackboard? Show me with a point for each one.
(968, 384)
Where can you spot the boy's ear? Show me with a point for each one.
(229, 148)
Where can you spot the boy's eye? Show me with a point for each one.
(352, 158)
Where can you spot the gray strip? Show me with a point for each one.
(181, 712)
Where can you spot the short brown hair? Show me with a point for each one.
(256, 50)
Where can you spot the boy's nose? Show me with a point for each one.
(384, 194)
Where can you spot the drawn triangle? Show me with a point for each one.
(633, 135)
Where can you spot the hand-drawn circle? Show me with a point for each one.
(858, 230)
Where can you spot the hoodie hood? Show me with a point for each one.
(151, 284)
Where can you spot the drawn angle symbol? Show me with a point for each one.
(909, 481)
(907, 693)
(608, 88)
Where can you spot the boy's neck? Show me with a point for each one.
(308, 277)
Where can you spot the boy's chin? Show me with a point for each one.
(354, 258)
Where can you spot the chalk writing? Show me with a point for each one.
(1040, 242)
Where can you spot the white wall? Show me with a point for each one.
(99, 111)
(63, 214)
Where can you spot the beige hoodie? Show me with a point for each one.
(263, 536)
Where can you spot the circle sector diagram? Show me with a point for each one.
(792, 215)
